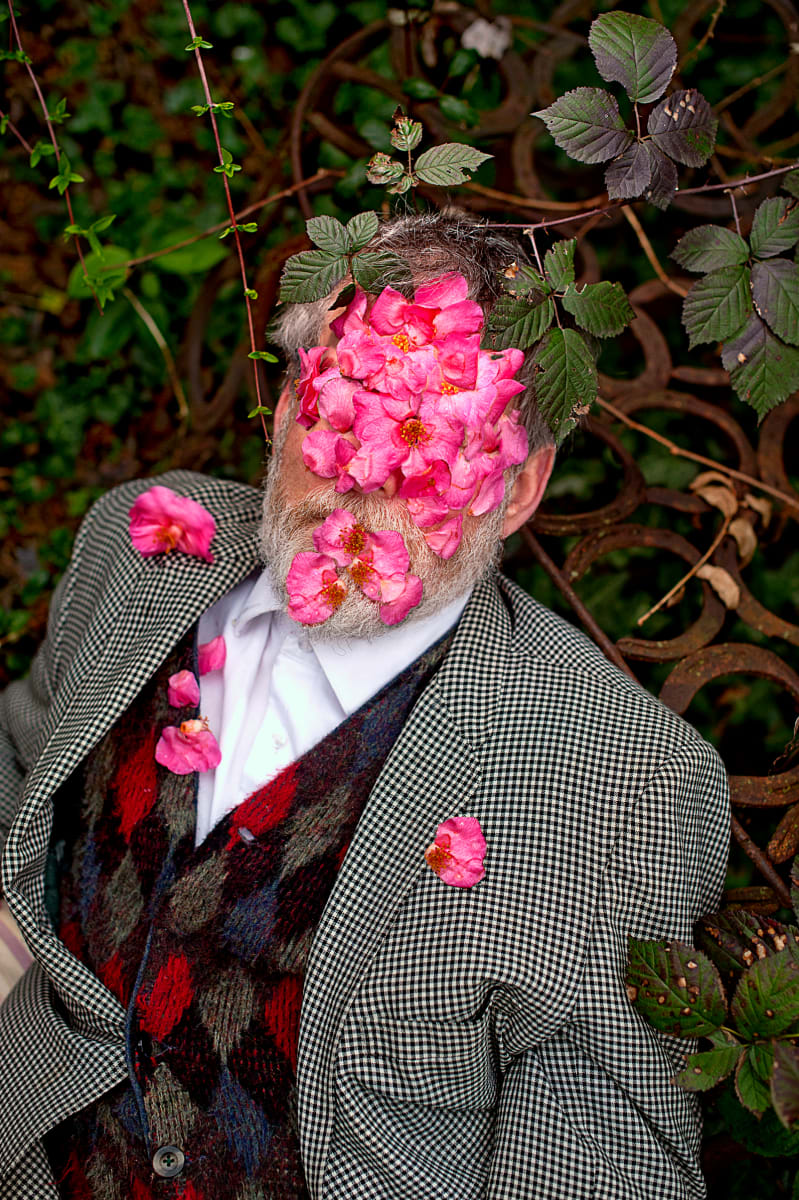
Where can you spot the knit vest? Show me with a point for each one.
(206, 947)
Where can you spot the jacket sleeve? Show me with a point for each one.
(591, 1112)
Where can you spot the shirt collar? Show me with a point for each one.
(357, 668)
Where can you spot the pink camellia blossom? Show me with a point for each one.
(444, 540)
(398, 596)
(311, 366)
(183, 689)
(314, 589)
(161, 521)
(456, 855)
(328, 455)
(188, 747)
(211, 655)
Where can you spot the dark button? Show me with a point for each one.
(168, 1161)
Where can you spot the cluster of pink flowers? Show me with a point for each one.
(376, 563)
(191, 746)
(407, 392)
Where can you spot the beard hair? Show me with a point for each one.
(287, 529)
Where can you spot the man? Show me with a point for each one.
(440, 830)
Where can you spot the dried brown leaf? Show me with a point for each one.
(760, 505)
(744, 535)
(722, 583)
(706, 477)
(723, 498)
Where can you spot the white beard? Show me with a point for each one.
(287, 530)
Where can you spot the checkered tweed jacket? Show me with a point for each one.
(455, 1043)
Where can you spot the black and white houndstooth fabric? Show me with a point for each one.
(455, 1043)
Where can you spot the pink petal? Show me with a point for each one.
(314, 589)
(352, 317)
(387, 314)
(161, 521)
(183, 689)
(188, 747)
(440, 293)
(464, 317)
(489, 495)
(457, 358)
(389, 555)
(456, 855)
(396, 609)
(335, 402)
(445, 540)
(326, 453)
(212, 655)
(310, 366)
(341, 536)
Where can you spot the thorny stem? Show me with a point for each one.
(535, 251)
(646, 246)
(679, 452)
(735, 213)
(209, 101)
(54, 141)
(700, 562)
(708, 34)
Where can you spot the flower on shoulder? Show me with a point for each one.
(188, 747)
(161, 521)
(183, 689)
(457, 852)
(211, 655)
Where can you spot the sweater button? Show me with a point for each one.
(168, 1161)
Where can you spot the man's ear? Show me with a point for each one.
(528, 489)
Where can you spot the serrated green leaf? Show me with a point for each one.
(630, 173)
(791, 183)
(517, 322)
(373, 269)
(566, 379)
(684, 127)
(406, 134)
(523, 280)
(676, 988)
(559, 263)
(717, 305)
(775, 290)
(763, 369)
(403, 183)
(634, 51)
(381, 169)
(311, 275)
(328, 234)
(785, 1083)
(764, 1135)
(587, 124)
(705, 1070)
(448, 164)
(736, 938)
(663, 183)
(600, 308)
(752, 1078)
(775, 227)
(766, 1000)
(709, 247)
(361, 229)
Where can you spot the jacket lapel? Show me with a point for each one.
(432, 773)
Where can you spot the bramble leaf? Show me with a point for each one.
(523, 280)
(763, 370)
(328, 234)
(517, 322)
(559, 263)
(406, 134)
(361, 229)
(381, 169)
(775, 288)
(708, 1068)
(601, 308)
(630, 173)
(791, 183)
(684, 127)
(717, 305)
(766, 1000)
(785, 1083)
(634, 51)
(753, 1076)
(567, 379)
(775, 227)
(380, 268)
(663, 183)
(311, 275)
(675, 987)
(445, 165)
(736, 938)
(709, 247)
(587, 124)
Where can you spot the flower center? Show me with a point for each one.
(449, 389)
(413, 432)
(360, 571)
(168, 536)
(403, 341)
(353, 540)
(438, 857)
(334, 593)
(195, 725)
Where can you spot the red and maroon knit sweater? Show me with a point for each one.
(206, 947)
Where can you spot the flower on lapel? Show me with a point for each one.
(183, 689)
(188, 747)
(161, 521)
(211, 655)
(456, 855)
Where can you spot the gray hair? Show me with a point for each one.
(432, 244)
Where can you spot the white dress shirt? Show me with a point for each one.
(279, 693)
